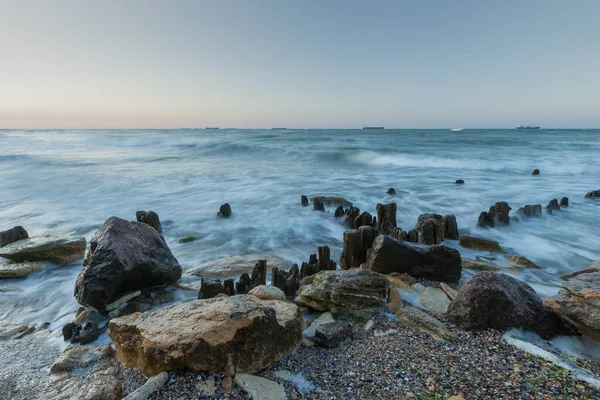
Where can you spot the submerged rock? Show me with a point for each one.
(553, 206)
(149, 218)
(20, 270)
(388, 255)
(124, 257)
(332, 200)
(450, 227)
(478, 243)
(350, 290)
(520, 260)
(494, 300)
(304, 200)
(13, 235)
(318, 205)
(530, 210)
(187, 239)
(564, 202)
(460, 182)
(224, 211)
(391, 191)
(471, 264)
(535, 172)
(58, 249)
(226, 267)
(430, 227)
(222, 335)
(578, 301)
(594, 193)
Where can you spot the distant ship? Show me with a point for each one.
(212, 127)
(527, 127)
(373, 127)
(278, 129)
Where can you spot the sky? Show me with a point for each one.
(304, 64)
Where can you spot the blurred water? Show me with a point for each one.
(69, 182)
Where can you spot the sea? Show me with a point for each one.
(70, 181)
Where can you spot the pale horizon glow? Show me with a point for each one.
(309, 64)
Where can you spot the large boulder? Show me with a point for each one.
(499, 301)
(350, 290)
(438, 262)
(13, 235)
(221, 335)
(58, 249)
(578, 301)
(124, 257)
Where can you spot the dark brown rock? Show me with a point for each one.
(224, 211)
(364, 219)
(553, 206)
(564, 202)
(594, 193)
(124, 257)
(13, 235)
(460, 182)
(332, 334)
(318, 205)
(498, 301)
(535, 172)
(149, 218)
(314, 264)
(339, 212)
(450, 227)
(530, 210)
(388, 255)
(400, 234)
(430, 228)
(353, 214)
(356, 244)
(210, 288)
(304, 200)
(498, 213)
(288, 282)
(391, 191)
(412, 236)
(386, 218)
(259, 274)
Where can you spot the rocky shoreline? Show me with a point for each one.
(398, 320)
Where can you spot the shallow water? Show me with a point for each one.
(69, 182)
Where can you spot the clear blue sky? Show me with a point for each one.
(146, 63)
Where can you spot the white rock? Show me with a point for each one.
(260, 388)
(264, 292)
(434, 300)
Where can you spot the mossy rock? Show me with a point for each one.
(480, 266)
(478, 243)
(520, 260)
(187, 239)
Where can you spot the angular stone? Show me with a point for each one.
(478, 243)
(332, 334)
(471, 264)
(386, 218)
(451, 293)
(349, 290)
(520, 260)
(260, 388)
(75, 356)
(264, 292)
(59, 249)
(415, 318)
(499, 301)
(434, 300)
(227, 267)
(20, 270)
(530, 210)
(438, 262)
(308, 335)
(220, 335)
(13, 235)
(578, 301)
(124, 257)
